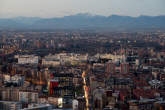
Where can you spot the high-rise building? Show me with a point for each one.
(110, 68)
(28, 96)
(9, 94)
(60, 84)
(8, 105)
(124, 68)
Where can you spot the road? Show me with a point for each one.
(86, 90)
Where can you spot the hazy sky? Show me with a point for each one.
(58, 8)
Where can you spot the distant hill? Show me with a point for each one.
(85, 21)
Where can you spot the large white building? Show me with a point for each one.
(27, 59)
(64, 58)
(50, 62)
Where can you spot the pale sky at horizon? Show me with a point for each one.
(59, 8)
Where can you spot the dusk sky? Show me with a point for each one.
(59, 8)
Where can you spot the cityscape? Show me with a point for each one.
(82, 55)
(82, 71)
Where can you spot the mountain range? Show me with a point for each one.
(85, 21)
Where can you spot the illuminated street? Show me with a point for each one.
(85, 91)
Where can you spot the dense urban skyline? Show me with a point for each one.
(82, 55)
(59, 8)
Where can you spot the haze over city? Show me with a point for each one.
(60, 8)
